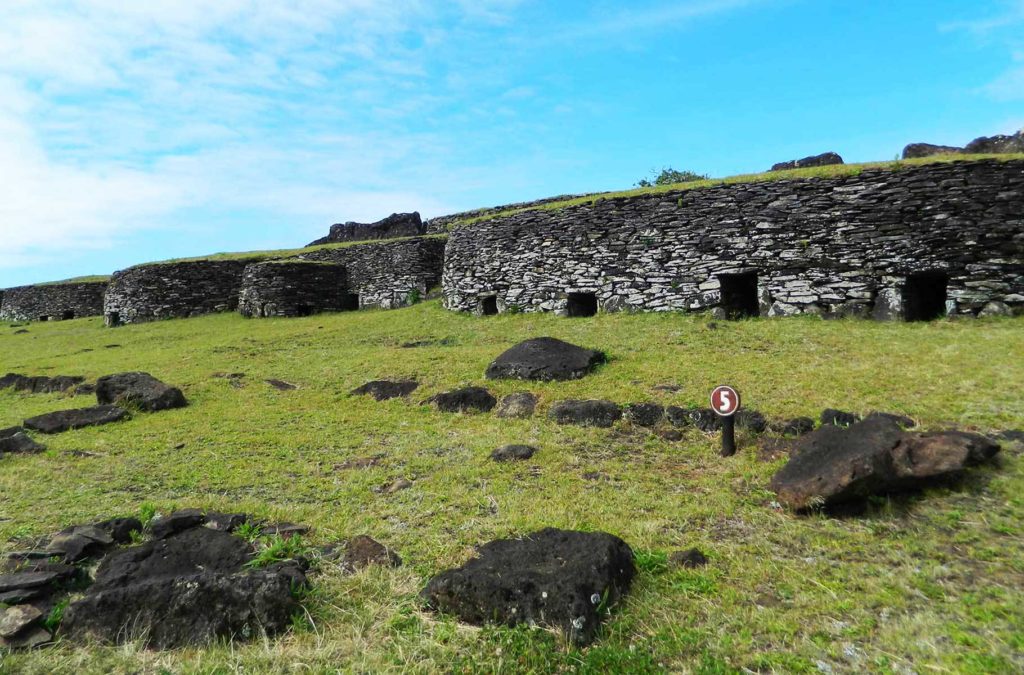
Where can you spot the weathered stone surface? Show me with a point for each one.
(552, 577)
(52, 302)
(22, 580)
(998, 144)
(916, 150)
(836, 464)
(519, 405)
(645, 414)
(899, 420)
(798, 426)
(544, 359)
(704, 419)
(79, 542)
(294, 288)
(20, 443)
(15, 619)
(828, 246)
(823, 159)
(508, 453)
(394, 226)
(178, 521)
(383, 390)
(10, 431)
(362, 551)
(995, 308)
(593, 413)
(838, 418)
(691, 557)
(467, 399)
(65, 420)
(140, 390)
(120, 529)
(39, 384)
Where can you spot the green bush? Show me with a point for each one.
(669, 176)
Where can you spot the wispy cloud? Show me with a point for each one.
(1004, 28)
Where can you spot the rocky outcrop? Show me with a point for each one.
(294, 288)
(394, 226)
(557, 578)
(52, 302)
(65, 420)
(824, 159)
(139, 390)
(983, 145)
(917, 150)
(544, 359)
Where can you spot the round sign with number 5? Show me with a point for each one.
(725, 400)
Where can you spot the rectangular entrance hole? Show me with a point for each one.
(67, 315)
(581, 304)
(44, 317)
(113, 319)
(304, 310)
(349, 302)
(489, 305)
(924, 296)
(739, 295)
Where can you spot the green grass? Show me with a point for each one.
(932, 582)
(831, 171)
(95, 278)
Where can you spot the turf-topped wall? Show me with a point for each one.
(389, 274)
(294, 288)
(52, 302)
(173, 290)
(914, 242)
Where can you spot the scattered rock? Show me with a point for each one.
(19, 596)
(823, 159)
(21, 443)
(564, 579)
(544, 359)
(281, 385)
(594, 413)
(1011, 436)
(999, 144)
(85, 390)
(79, 542)
(363, 551)
(21, 331)
(644, 414)
(691, 557)
(10, 431)
(467, 399)
(798, 426)
(916, 150)
(836, 464)
(22, 580)
(39, 384)
(30, 638)
(838, 417)
(140, 390)
(225, 522)
(596, 476)
(751, 420)
(178, 521)
(507, 453)
(15, 619)
(359, 463)
(899, 420)
(64, 420)
(519, 405)
(383, 390)
(995, 308)
(112, 346)
(121, 529)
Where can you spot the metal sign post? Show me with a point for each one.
(725, 401)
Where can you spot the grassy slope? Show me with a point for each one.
(933, 582)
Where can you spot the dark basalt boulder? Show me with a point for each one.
(558, 578)
(691, 557)
(509, 453)
(544, 359)
(519, 405)
(19, 442)
(900, 420)
(138, 389)
(395, 225)
(797, 426)
(65, 420)
(467, 399)
(917, 150)
(824, 159)
(835, 464)
(594, 413)
(644, 414)
(121, 529)
(839, 418)
(39, 384)
(78, 542)
(10, 431)
(383, 390)
(999, 144)
(708, 421)
(175, 522)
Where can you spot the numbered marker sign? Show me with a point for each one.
(725, 400)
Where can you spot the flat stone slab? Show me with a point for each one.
(382, 390)
(138, 389)
(545, 359)
(558, 578)
(593, 413)
(40, 384)
(467, 399)
(20, 443)
(519, 405)
(65, 420)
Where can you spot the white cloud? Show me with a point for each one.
(1004, 28)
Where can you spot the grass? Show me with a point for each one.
(932, 582)
(831, 171)
(93, 279)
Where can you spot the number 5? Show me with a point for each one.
(724, 403)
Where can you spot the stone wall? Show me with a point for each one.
(390, 274)
(52, 302)
(293, 288)
(442, 224)
(173, 290)
(885, 243)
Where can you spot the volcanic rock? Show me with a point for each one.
(15, 619)
(21, 443)
(362, 551)
(64, 420)
(798, 426)
(383, 390)
(691, 557)
(559, 578)
(281, 385)
(79, 542)
(39, 384)
(916, 150)
(138, 389)
(467, 399)
(999, 144)
(644, 414)
(838, 418)
(508, 453)
(823, 159)
(544, 359)
(519, 405)
(178, 521)
(594, 413)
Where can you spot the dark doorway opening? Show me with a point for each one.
(113, 319)
(349, 302)
(67, 315)
(44, 317)
(489, 306)
(581, 304)
(924, 296)
(739, 295)
(304, 310)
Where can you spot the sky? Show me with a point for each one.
(139, 131)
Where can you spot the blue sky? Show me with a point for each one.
(148, 130)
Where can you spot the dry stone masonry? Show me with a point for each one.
(173, 290)
(294, 288)
(912, 243)
(52, 302)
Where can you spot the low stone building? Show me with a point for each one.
(53, 302)
(388, 274)
(913, 243)
(173, 290)
(294, 288)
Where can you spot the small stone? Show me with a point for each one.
(281, 385)
(138, 389)
(545, 359)
(15, 619)
(519, 405)
(672, 435)
(467, 399)
(363, 551)
(284, 529)
(691, 557)
(382, 390)
(644, 414)
(838, 417)
(798, 426)
(30, 639)
(508, 453)
(593, 413)
(20, 443)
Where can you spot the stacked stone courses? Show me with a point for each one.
(844, 246)
(293, 288)
(173, 290)
(52, 302)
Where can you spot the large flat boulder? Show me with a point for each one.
(835, 464)
(39, 384)
(544, 359)
(65, 420)
(558, 578)
(382, 390)
(140, 390)
(466, 399)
